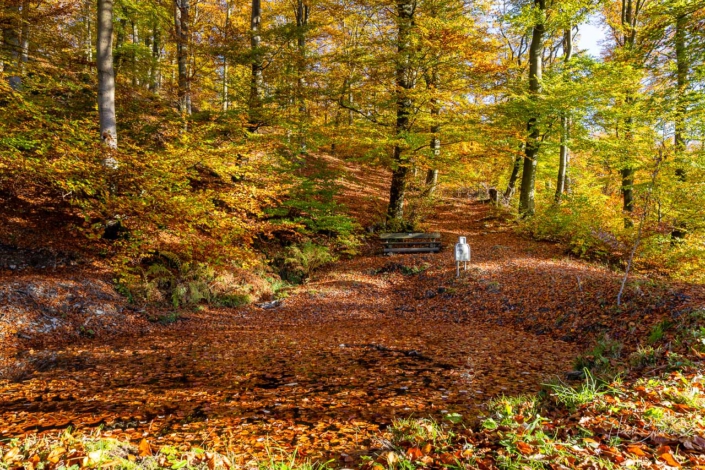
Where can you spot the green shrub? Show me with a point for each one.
(165, 278)
(582, 222)
(645, 356)
(298, 262)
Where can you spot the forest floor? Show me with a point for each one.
(366, 341)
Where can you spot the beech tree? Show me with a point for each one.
(106, 78)
(405, 82)
(255, 98)
(531, 149)
(561, 184)
(182, 27)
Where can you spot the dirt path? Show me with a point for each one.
(357, 348)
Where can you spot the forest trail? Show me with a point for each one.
(324, 370)
(367, 340)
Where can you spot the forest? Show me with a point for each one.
(193, 194)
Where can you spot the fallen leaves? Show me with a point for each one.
(636, 450)
(525, 448)
(664, 454)
(144, 449)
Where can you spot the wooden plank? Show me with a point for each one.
(413, 250)
(412, 242)
(406, 236)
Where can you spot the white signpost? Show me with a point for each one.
(462, 255)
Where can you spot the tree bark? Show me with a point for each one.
(680, 228)
(432, 173)
(404, 83)
(682, 67)
(302, 14)
(154, 74)
(181, 24)
(226, 99)
(255, 101)
(627, 172)
(528, 179)
(565, 124)
(24, 45)
(516, 170)
(89, 31)
(11, 45)
(133, 54)
(106, 80)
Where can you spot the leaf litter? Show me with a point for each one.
(369, 341)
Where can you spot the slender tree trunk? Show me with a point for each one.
(24, 50)
(181, 24)
(351, 101)
(627, 172)
(302, 13)
(11, 44)
(565, 126)
(133, 54)
(528, 179)
(680, 228)
(682, 66)
(255, 104)
(226, 99)
(431, 181)
(404, 82)
(627, 189)
(516, 170)
(154, 73)
(106, 79)
(432, 173)
(89, 31)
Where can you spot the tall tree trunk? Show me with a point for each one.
(154, 70)
(255, 104)
(432, 173)
(565, 125)
(106, 79)
(181, 24)
(627, 172)
(133, 54)
(226, 99)
(24, 45)
(302, 13)
(682, 66)
(89, 31)
(528, 178)
(680, 228)
(404, 83)
(11, 46)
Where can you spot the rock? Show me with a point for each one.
(575, 375)
(270, 305)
